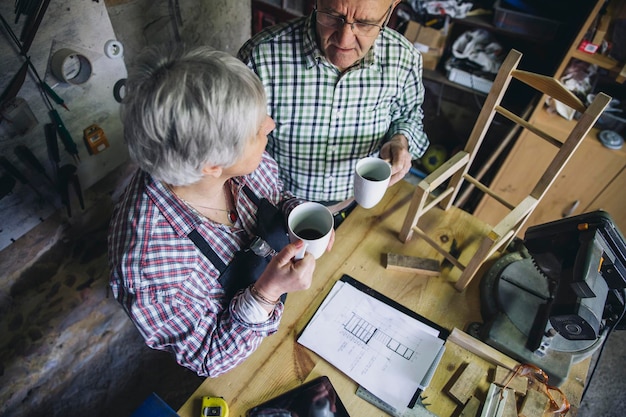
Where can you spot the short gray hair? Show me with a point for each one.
(188, 107)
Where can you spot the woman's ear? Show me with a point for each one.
(212, 170)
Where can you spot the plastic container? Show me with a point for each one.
(524, 23)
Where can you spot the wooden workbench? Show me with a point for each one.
(362, 240)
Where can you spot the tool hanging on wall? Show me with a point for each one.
(46, 93)
(66, 174)
(66, 138)
(35, 10)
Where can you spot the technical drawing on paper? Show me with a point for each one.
(367, 332)
(373, 343)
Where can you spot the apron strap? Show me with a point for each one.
(204, 246)
(206, 250)
(251, 195)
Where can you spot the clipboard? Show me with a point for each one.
(383, 346)
(443, 332)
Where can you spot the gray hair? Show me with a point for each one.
(186, 108)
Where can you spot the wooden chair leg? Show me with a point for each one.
(475, 263)
(420, 195)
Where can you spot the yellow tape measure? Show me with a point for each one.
(213, 406)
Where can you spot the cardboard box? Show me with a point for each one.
(430, 42)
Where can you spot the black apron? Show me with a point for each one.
(249, 263)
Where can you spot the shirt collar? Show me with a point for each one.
(314, 56)
(182, 218)
(173, 209)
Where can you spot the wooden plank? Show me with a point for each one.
(465, 386)
(506, 377)
(481, 349)
(535, 403)
(423, 266)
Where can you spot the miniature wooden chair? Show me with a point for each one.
(454, 172)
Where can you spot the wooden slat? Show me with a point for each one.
(432, 203)
(521, 122)
(551, 87)
(488, 191)
(585, 123)
(446, 170)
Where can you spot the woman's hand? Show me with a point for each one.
(284, 274)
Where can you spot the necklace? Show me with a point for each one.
(230, 214)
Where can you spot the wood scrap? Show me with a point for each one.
(535, 404)
(424, 266)
(471, 407)
(465, 385)
(505, 377)
(510, 404)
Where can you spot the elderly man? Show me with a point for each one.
(341, 86)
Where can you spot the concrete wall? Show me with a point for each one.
(223, 24)
(67, 348)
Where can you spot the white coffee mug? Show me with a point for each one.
(371, 180)
(312, 223)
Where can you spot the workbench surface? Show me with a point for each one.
(361, 243)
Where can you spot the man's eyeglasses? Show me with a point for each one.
(358, 28)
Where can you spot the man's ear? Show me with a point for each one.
(212, 170)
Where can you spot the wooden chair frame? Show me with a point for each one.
(456, 170)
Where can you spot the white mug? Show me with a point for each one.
(371, 180)
(312, 223)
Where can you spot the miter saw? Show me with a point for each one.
(554, 301)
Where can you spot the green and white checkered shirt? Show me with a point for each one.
(325, 120)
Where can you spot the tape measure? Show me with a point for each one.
(418, 411)
(213, 407)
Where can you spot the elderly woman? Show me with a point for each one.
(198, 249)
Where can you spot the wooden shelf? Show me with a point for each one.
(600, 60)
(438, 77)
